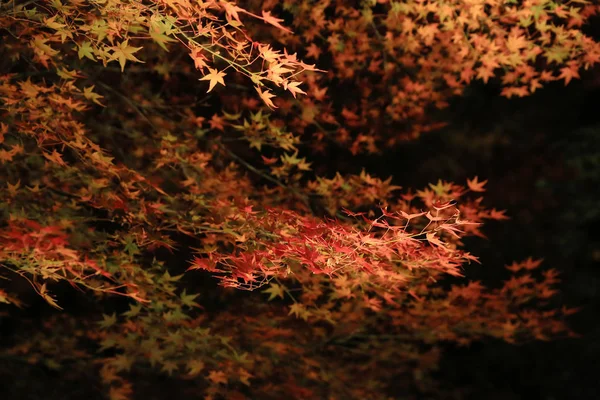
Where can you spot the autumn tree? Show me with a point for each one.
(133, 132)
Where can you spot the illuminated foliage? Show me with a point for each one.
(134, 130)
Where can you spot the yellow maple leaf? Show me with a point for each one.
(299, 310)
(123, 52)
(274, 290)
(89, 94)
(213, 77)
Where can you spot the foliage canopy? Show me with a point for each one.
(134, 130)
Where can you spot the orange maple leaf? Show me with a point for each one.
(231, 10)
(217, 122)
(313, 51)
(498, 214)
(293, 87)
(475, 185)
(515, 43)
(266, 96)
(269, 19)
(520, 91)
(217, 377)
(485, 73)
(5, 156)
(568, 73)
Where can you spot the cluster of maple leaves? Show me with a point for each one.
(110, 169)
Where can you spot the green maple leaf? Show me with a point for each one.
(122, 363)
(134, 309)
(188, 299)
(440, 188)
(166, 276)
(161, 39)
(131, 247)
(108, 321)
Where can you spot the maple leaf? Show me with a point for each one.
(122, 363)
(217, 377)
(55, 157)
(85, 50)
(188, 299)
(5, 156)
(195, 367)
(313, 51)
(43, 291)
(161, 39)
(568, 73)
(431, 238)
(428, 32)
(319, 94)
(231, 10)
(89, 94)
(214, 77)
(534, 85)
(515, 43)
(269, 19)
(217, 122)
(274, 290)
(440, 188)
(485, 73)
(122, 392)
(498, 214)
(133, 310)
(293, 87)
(12, 189)
(39, 42)
(530, 263)
(475, 185)
(123, 52)
(520, 91)
(266, 96)
(299, 310)
(244, 376)
(108, 321)
(199, 58)
(169, 367)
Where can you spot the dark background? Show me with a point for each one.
(541, 155)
